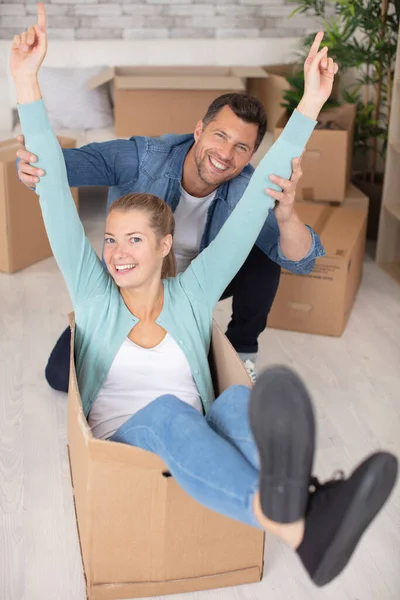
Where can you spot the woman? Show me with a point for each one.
(142, 340)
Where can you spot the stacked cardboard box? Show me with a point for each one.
(152, 101)
(23, 238)
(326, 162)
(270, 87)
(320, 302)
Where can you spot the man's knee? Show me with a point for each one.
(57, 368)
(56, 378)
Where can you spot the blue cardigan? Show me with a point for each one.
(102, 319)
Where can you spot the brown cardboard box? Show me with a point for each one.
(354, 198)
(140, 533)
(152, 101)
(270, 89)
(321, 302)
(23, 238)
(326, 163)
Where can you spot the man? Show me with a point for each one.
(201, 176)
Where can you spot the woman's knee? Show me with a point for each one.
(155, 419)
(164, 409)
(234, 397)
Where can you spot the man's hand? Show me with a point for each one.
(295, 238)
(284, 208)
(28, 175)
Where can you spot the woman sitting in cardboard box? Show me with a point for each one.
(247, 455)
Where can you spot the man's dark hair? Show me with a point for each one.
(246, 107)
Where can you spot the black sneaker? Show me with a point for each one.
(282, 422)
(339, 512)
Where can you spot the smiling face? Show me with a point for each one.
(223, 147)
(132, 252)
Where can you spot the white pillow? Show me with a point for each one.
(70, 105)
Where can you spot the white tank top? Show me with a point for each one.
(137, 377)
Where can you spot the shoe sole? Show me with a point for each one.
(283, 425)
(376, 485)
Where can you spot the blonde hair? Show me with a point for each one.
(161, 219)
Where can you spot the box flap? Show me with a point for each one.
(338, 228)
(184, 78)
(250, 72)
(281, 70)
(190, 71)
(176, 77)
(179, 83)
(8, 149)
(353, 192)
(343, 115)
(6, 144)
(101, 78)
(226, 367)
(173, 71)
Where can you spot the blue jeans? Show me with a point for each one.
(213, 458)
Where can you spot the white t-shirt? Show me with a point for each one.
(137, 377)
(190, 221)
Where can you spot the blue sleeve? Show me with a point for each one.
(81, 268)
(106, 163)
(269, 242)
(210, 272)
(109, 164)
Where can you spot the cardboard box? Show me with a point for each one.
(354, 198)
(23, 238)
(321, 302)
(152, 101)
(327, 160)
(270, 89)
(140, 533)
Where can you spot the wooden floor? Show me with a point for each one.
(355, 381)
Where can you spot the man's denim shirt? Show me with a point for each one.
(155, 165)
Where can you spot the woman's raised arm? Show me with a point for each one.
(79, 264)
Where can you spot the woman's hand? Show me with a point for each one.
(29, 49)
(319, 74)
(319, 71)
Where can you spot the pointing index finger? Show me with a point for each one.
(41, 12)
(315, 46)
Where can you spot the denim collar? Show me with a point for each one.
(177, 157)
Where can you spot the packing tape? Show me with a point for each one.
(305, 308)
(313, 154)
(9, 146)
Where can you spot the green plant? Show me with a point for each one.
(362, 35)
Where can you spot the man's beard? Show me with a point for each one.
(204, 175)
